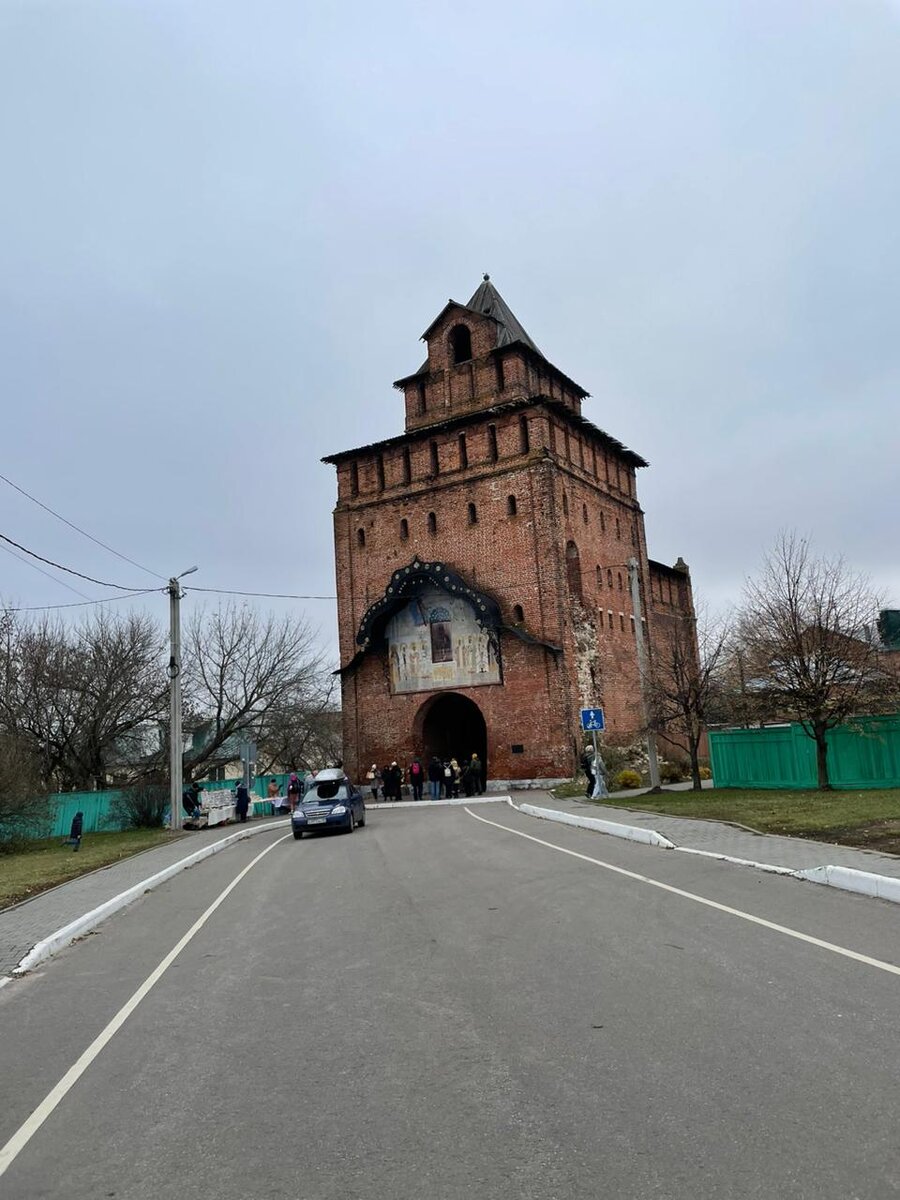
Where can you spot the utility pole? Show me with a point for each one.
(634, 578)
(176, 743)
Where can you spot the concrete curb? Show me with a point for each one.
(847, 879)
(51, 945)
(378, 805)
(632, 832)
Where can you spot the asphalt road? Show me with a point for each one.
(436, 1007)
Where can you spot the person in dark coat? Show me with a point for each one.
(435, 777)
(242, 802)
(74, 838)
(416, 775)
(191, 799)
(476, 768)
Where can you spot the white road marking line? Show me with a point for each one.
(29, 1128)
(880, 965)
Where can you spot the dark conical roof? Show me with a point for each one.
(488, 300)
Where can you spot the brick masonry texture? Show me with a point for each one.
(499, 477)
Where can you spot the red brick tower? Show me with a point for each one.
(481, 562)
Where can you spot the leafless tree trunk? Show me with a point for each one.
(687, 658)
(75, 695)
(243, 672)
(807, 633)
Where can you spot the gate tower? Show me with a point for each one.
(481, 560)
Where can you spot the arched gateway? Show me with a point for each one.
(451, 726)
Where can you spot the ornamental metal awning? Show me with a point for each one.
(411, 581)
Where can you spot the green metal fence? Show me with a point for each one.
(861, 754)
(99, 807)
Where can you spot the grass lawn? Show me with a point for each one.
(869, 818)
(46, 862)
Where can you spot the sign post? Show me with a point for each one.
(593, 720)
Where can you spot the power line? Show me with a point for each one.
(78, 529)
(80, 603)
(35, 567)
(262, 595)
(50, 563)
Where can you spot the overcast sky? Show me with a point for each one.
(224, 226)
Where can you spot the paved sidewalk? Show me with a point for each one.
(27, 924)
(799, 854)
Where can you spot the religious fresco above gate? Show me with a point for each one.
(435, 642)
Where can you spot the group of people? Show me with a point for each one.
(442, 777)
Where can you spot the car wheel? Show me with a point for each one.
(352, 823)
(298, 834)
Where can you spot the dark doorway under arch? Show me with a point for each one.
(452, 727)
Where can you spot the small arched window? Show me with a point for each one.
(602, 522)
(518, 613)
(435, 460)
(463, 452)
(524, 440)
(492, 443)
(618, 530)
(608, 577)
(599, 578)
(584, 513)
(404, 529)
(379, 471)
(407, 465)
(619, 577)
(354, 479)
(565, 505)
(511, 506)
(573, 569)
(473, 515)
(609, 617)
(432, 523)
(360, 537)
(622, 622)
(460, 344)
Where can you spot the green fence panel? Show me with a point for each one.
(864, 753)
(97, 809)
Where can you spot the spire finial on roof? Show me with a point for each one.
(486, 277)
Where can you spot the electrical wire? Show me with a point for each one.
(35, 567)
(80, 603)
(78, 529)
(263, 595)
(69, 570)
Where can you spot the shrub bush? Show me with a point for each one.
(670, 772)
(627, 779)
(705, 773)
(141, 806)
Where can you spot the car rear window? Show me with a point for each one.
(330, 789)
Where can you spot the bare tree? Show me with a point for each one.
(243, 672)
(688, 654)
(24, 808)
(808, 645)
(75, 695)
(302, 736)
